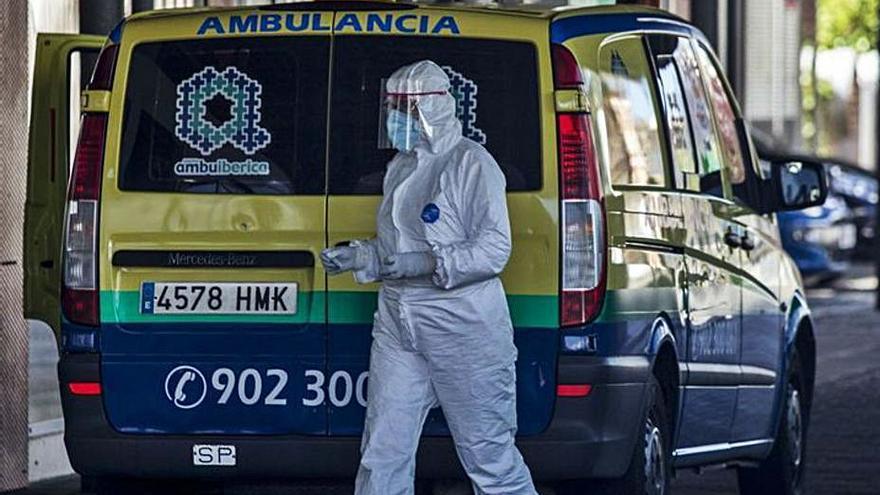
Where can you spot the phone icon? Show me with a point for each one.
(179, 394)
(181, 379)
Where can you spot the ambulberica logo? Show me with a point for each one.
(465, 92)
(242, 130)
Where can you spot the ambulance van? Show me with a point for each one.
(660, 326)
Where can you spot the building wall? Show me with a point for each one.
(771, 97)
(54, 16)
(14, 80)
(680, 8)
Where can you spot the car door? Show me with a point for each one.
(54, 118)
(713, 285)
(759, 259)
(494, 97)
(216, 152)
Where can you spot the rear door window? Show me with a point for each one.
(708, 149)
(725, 119)
(678, 125)
(495, 85)
(237, 116)
(631, 114)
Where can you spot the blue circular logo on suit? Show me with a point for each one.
(430, 213)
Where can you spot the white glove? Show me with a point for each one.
(339, 259)
(407, 265)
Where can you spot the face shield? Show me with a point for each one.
(400, 124)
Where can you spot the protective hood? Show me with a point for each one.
(429, 85)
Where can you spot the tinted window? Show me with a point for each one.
(244, 115)
(725, 120)
(678, 125)
(495, 83)
(708, 153)
(680, 138)
(630, 114)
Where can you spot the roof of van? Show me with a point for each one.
(536, 11)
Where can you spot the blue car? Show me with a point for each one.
(821, 239)
(859, 188)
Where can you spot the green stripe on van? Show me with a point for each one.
(534, 311)
(348, 307)
(525, 311)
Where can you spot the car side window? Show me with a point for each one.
(631, 115)
(725, 121)
(678, 127)
(706, 142)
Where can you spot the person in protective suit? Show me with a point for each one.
(442, 334)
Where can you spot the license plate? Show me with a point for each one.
(214, 455)
(218, 298)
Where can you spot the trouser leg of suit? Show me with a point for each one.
(399, 398)
(480, 407)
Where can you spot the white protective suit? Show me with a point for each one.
(444, 338)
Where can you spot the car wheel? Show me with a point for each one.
(782, 472)
(650, 467)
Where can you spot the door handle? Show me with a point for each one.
(748, 243)
(732, 239)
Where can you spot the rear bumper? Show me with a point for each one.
(587, 437)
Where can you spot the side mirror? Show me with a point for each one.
(798, 183)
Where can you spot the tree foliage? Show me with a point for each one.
(851, 23)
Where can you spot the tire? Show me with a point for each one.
(782, 472)
(650, 467)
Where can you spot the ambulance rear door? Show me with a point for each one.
(500, 73)
(59, 65)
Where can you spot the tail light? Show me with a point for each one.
(79, 294)
(102, 76)
(583, 242)
(566, 71)
(79, 297)
(84, 388)
(582, 390)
